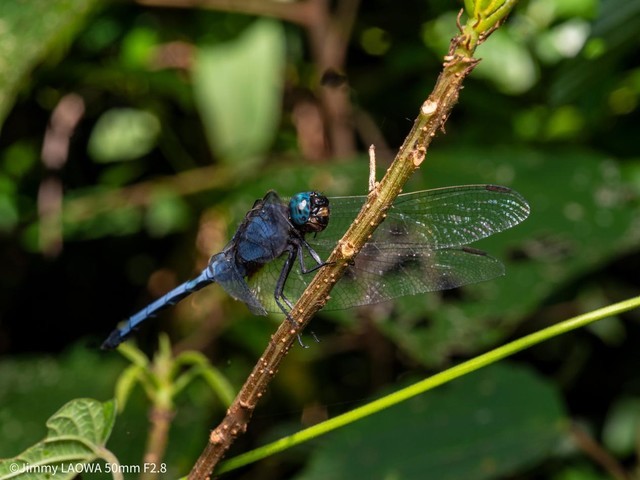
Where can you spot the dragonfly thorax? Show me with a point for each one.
(309, 211)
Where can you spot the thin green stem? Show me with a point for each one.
(112, 460)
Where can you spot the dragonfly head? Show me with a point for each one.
(309, 211)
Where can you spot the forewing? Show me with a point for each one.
(439, 218)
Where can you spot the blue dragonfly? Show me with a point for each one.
(420, 247)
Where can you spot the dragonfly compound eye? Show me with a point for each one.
(300, 208)
(309, 211)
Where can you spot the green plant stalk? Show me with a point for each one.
(427, 384)
(163, 379)
(111, 459)
(162, 408)
(458, 63)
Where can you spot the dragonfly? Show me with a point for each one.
(422, 246)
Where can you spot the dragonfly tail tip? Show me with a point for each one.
(114, 339)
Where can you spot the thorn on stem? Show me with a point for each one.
(458, 23)
(373, 185)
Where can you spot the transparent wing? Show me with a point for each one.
(235, 285)
(383, 272)
(416, 249)
(440, 218)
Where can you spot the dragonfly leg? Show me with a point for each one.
(304, 269)
(314, 255)
(279, 295)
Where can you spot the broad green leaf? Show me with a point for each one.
(485, 425)
(77, 435)
(581, 472)
(238, 89)
(30, 31)
(31, 388)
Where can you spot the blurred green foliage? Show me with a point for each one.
(190, 115)
(32, 33)
(238, 88)
(445, 433)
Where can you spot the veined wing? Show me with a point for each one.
(418, 248)
(439, 218)
(383, 272)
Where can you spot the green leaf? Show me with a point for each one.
(138, 47)
(238, 89)
(484, 425)
(198, 365)
(504, 48)
(620, 432)
(127, 380)
(9, 215)
(30, 32)
(123, 134)
(487, 13)
(77, 435)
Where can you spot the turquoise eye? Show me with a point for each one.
(300, 208)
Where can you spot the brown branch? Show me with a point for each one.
(435, 110)
(329, 37)
(597, 453)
